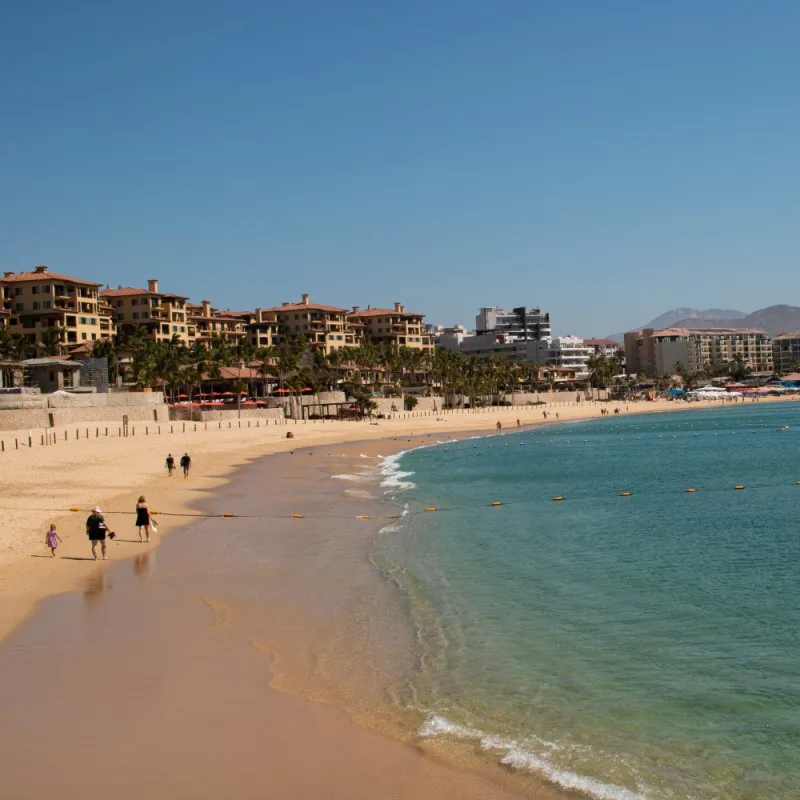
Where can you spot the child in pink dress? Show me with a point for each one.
(52, 538)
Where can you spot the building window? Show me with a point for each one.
(72, 336)
(93, 320)
(174, 328)
(119, 303)
(135, 315)
(46, 304)
(83, 336)
(35, 290)
(183, 329)
(135, 301)
(94, 336)
(19, 307)
(83, 321)
(17, 291)
(45, 290)
(70, 322)
(35, 305)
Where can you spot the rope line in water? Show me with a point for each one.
(493, 504)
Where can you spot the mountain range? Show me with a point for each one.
(772, 319)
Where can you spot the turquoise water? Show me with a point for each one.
(624, 647)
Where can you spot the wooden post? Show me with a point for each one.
(42, 440)
(184, 427)
(76, 433)
(146, 430)
(171, 429)
(16, 444)
(106, 432)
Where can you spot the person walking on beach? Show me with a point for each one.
(96, 531)
(143, 518)
(499, 425)
(52, 538)
(170, 465)
(186, 463)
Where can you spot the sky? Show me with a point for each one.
(604, 161)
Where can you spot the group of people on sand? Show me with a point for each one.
(186, 463)
(97, 529)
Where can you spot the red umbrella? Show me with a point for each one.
(281, 391)
(243, 394)
(227, 394)
(183, 397)
(306, 389)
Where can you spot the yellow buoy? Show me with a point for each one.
(74, 509)
(430, 508)
(227, 515)
(297, 516)
(624, 494)
(738, 486)
(496, 503)
(691, 490)
(363, 516)
(558, 498)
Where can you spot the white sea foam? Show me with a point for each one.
(521, 758)
(350, 477)
(392, 474)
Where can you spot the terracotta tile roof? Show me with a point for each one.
(306, 307)
(785, 336)
(599, 342)
(44, 275)
(383, 312)
(125, 291)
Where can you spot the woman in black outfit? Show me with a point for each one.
(143, 519)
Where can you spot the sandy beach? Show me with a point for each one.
(193, 683)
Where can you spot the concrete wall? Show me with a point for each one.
(21, 411)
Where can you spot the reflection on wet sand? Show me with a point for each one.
(143, 563)
(95, 585)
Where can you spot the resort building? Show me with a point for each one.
(393, 325)
(162, 315)
(448, 338)
(657, 352)
(565, 352)
(519, 324)
(607, 348)
(786, 352)
(204, 323)
(262, 328)
(326, 328)
(41, 302)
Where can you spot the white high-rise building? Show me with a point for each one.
(566, 352)
(518, 324)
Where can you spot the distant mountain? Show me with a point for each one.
(773, 319)
(670, 319)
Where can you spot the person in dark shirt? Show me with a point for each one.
(186, 462)
(170, 465)
(96, 531)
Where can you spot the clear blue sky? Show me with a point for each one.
(604, 160)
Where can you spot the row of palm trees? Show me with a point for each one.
(295, 365)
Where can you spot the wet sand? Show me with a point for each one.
(221, 662)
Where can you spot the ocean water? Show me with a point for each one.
(642, 646)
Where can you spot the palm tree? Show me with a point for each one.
(51, 342)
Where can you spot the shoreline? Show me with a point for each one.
(291, 642)
(90, 472)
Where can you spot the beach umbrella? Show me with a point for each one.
(183, 397)
(227, 394)
(281, 391)
(306, 389)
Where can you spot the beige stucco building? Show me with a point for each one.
(206, 322)
(656, 352)
(40, 301)
(786, 351)
(326, 328)
(162, 314)
(394, 325)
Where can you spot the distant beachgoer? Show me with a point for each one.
(143, 518)
(519, 424)
(289, 435)
(556, 414)
(170, 465)
(52, 538)
(186, 463)
(96, 531)
(544, 414)
(499, 425)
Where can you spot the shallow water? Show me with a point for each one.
(627, 647)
